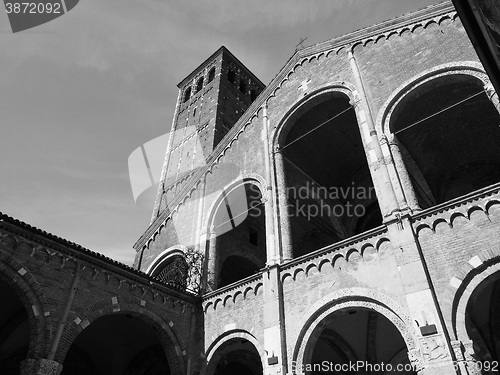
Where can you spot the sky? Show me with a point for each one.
(79, 94)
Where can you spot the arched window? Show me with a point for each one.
(187, 94)
(173, 271)
(211, 75)
(243, 86)
(327, 172)
(231, 76)
(199, 84)
(447, 134)
(239, 230)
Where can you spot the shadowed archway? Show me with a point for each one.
(356, 341)
(117, 344)
(328, 190)
(447, 132)
(235, 356)
(14, 331)
(482, 320)
(238, 243)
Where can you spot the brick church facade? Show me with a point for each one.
(342, 219)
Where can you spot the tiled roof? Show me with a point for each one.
(75, 250)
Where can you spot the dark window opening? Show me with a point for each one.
(253, 237)
(253, 95)
(187, 94)
(199, 84)
(231, 76)
(243, 86)
(211, 75)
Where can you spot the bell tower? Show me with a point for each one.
(211, 99)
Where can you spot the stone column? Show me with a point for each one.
(402, 173)
(492, 95)
(273, 324)
(461, 365)
(40, 366)
(272, 255)
(471, 365)
(285, 231)
(211, 253)
(384, 189)
(393, 174)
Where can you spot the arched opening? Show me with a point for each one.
(240, 242)
(14, 331)
(358, 339)
(211, 74)
(329, 189)
(117, 344)
(243, 86)
(187, 94)
(199, 84)
(236, 356)
(482, 319)
(448, 135)
(172, 271)
(231, 76)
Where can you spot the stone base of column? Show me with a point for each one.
(40, 366)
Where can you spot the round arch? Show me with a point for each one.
(352, 298)
(319, 160)
(164, 255)
(468, 68)
(236, 225)
(305, 103)
(243, 179)
(216, 349)
(453, 112)
(31, 295)
(463, 299)
(168, 339)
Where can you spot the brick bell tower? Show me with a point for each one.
(211, 99)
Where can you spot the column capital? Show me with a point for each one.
(492, 95)
(456, 345)
(488, 87)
